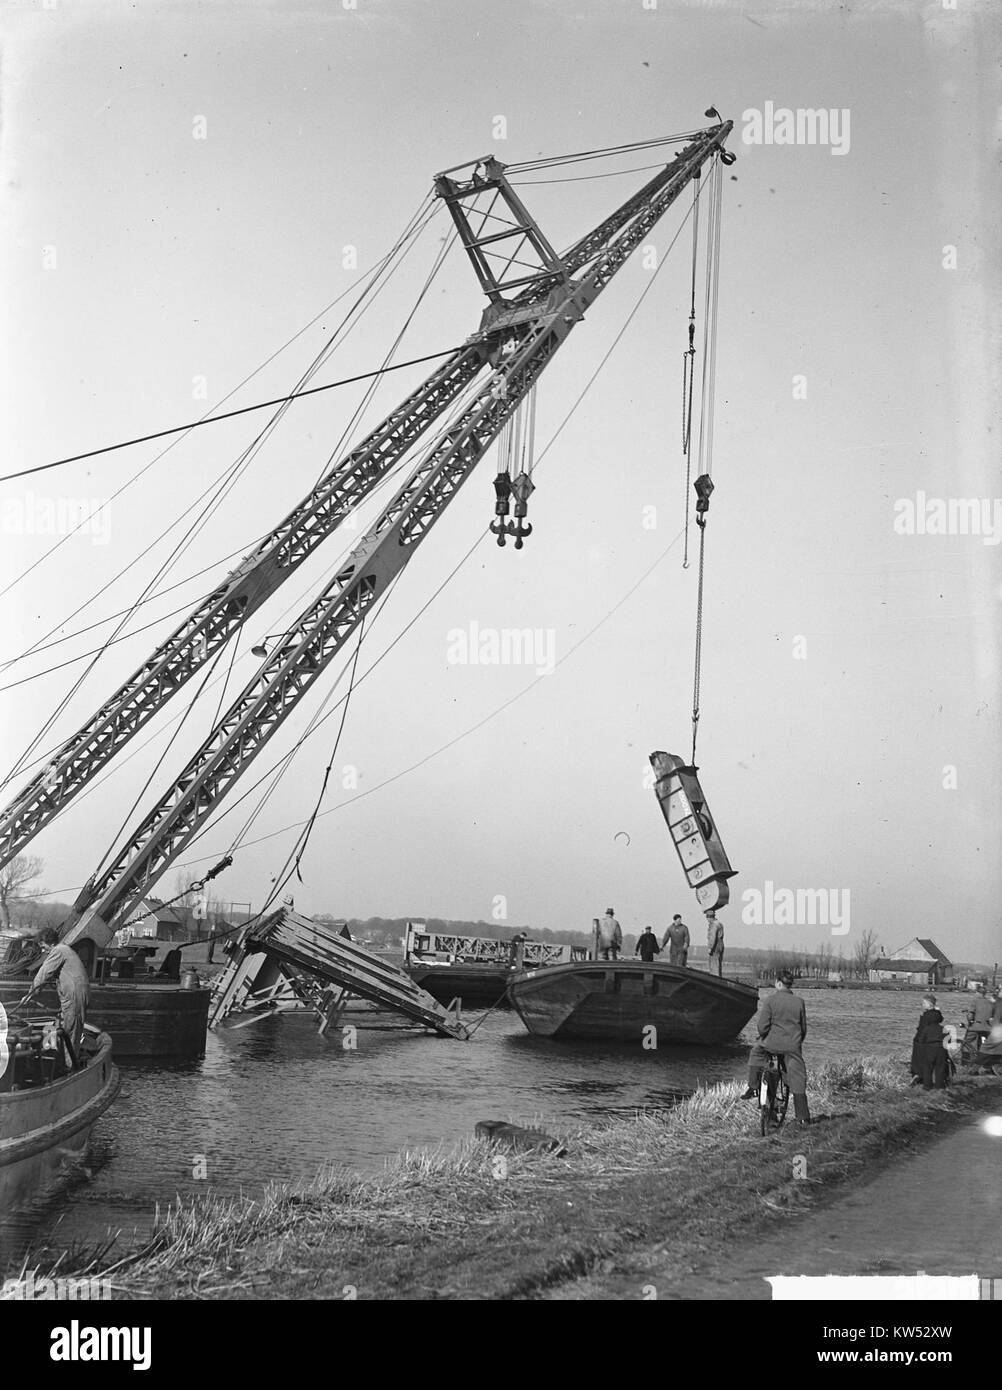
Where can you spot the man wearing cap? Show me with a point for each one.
(647, 946)
(715, 939)
(610, 936)
(678, 935)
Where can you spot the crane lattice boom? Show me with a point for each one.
(518, 337)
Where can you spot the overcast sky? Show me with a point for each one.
(850, 715)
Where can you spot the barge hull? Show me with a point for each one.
(478, 986)
(619, 1001)
(42, 1128)
(143, 1020)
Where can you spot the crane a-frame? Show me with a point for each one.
(533, 306)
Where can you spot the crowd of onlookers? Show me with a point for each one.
(937, 1048)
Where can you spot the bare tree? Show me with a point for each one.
(13, 877)
(824, 959)
(864, 953)
(185, 907)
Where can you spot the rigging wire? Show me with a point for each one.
(476, 544)
(706, 421)
(299, 849)
(604, 153)
(282, 764)
(229, 479)
(230, 414)
(411, 232)
(44, 646)
(451, 743)
(585, 178)
(113, 840)
(125, 569)
(222, 486)
(688, 368)
(457, 410)
(437, 264)
(271, 835)
(385, 483)
(91, 787)
(473, 728)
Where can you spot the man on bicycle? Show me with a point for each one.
(980, 1024)
(782, 1028)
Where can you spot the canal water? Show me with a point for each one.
(275, 1102)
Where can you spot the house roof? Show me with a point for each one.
(933, 950)
(907, 967)
(162, 913)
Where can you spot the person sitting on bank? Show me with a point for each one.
(678, 937)
(63, 966)
(782, 1028)
(647, 945)
(610, 936)
(929, 1056)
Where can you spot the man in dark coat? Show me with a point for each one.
(647, 945)
(782, 1028)
(929, 1058)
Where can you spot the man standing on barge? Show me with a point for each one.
(678, 935)
(610, 936)
(64, 966)
(715, 940)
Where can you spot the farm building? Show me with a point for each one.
(157, 923)
(920, 962)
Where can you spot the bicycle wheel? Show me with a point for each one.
(766, 1099)
(782, 1098)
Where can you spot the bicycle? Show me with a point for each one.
(970, 1051)
(774, 1094)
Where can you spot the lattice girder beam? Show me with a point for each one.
(215, 620)
(324, 627)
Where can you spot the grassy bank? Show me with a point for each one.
(459, 1224)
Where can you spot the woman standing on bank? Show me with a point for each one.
(929, 1058)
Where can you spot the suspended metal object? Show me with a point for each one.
(701, 854)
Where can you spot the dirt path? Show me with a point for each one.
(939, 1211)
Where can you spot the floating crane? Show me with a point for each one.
(536, 297)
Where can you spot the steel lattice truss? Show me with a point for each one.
(518, 338)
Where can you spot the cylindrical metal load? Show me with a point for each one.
(694, 834)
